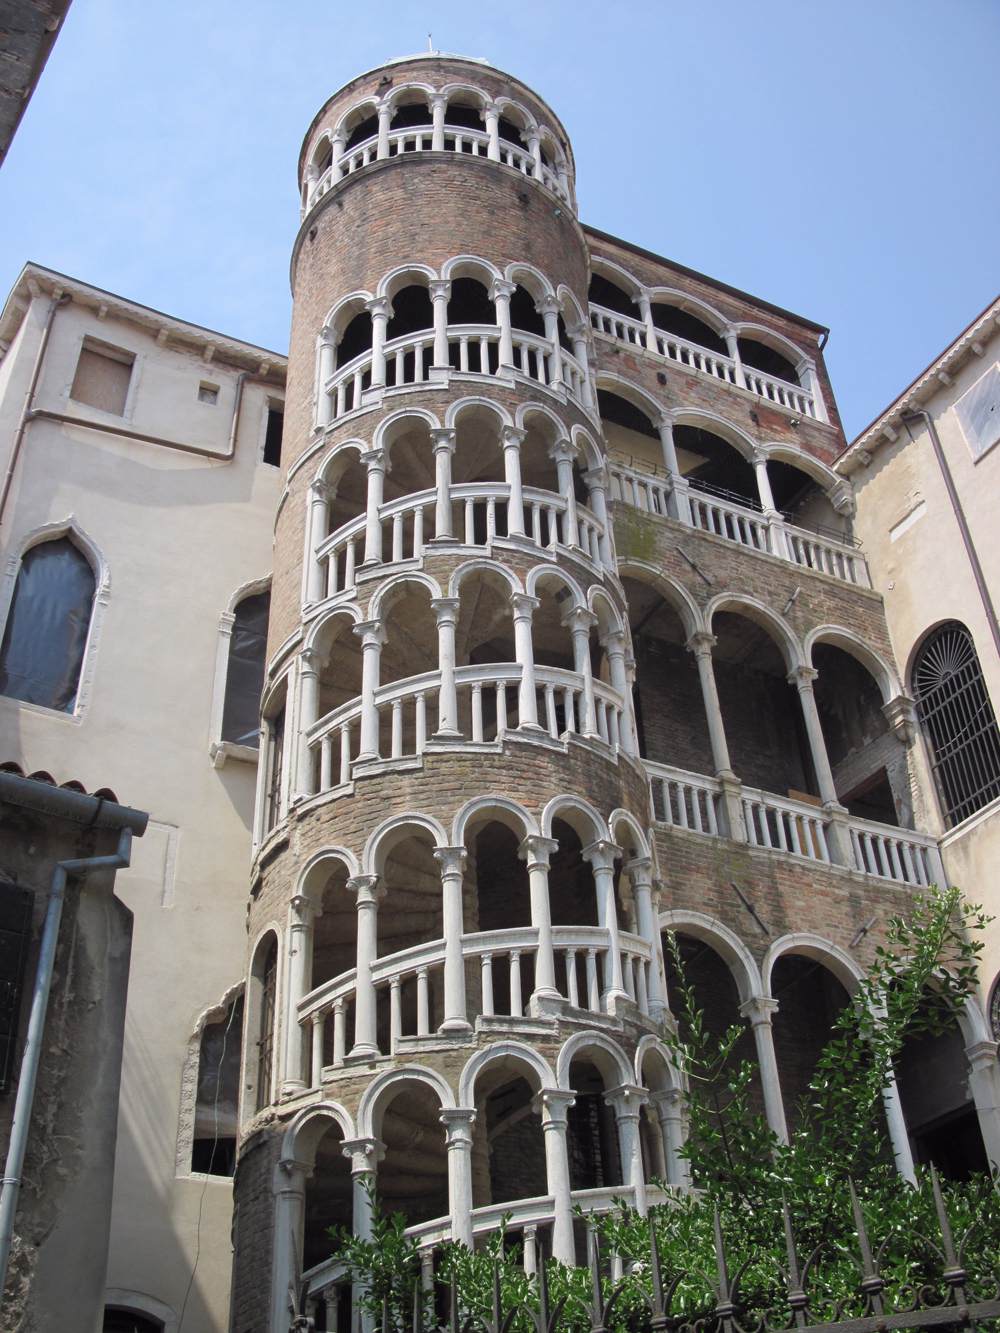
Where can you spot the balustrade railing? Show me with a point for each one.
(693, 802)
(623, 328)
(472, 349)
(724, 519)
(641, 490)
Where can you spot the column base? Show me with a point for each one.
(446, 734)
(447, 540)
(614, 1001)
(545, 1003)
(363, 1050)
(456, 1027)
(291, 1087)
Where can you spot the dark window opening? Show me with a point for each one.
(873, 799)
(127, 1321)
(412, 312)
(611, 297)
(523, 314)
(415, 113)
(357, 338)
(265, 1040)
(364, 130)
(272, 437)
(277, 759)
(958, 719)
(470, 303)
(510, 132)
(763, 358)
(47, 627)
(717, 467)
(213, 1150)
(564, 341)
(620, 412)
(464, 117)
(245, 671)
(15, 933)
(694, 330)
(325, 159)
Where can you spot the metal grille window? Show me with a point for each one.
(958, 721)
(265, 1042)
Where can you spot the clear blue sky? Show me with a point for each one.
(838, 158)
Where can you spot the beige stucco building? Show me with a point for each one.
(926, 474)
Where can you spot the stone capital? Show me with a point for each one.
(640, 871)
(379, 307)
(665, 421)
(445, 609)
(701, 643)
(601, 854)
(440, 289)
(363, 1154)
(524, 605)
(901, 714)
(802, 677)
(300, 910)
(627, 1100)
(548, 305)
(596, 478)
(512, 437)
(668, 1102)
(536, 850)
(443, 437)
(458, 1122)
(310, 662)
(552, 1104)
(563, 451)
(370, 632)
(321, 491)
(613, 642)
(759, 1010)
(579, 620)
(329, 336)
(501, 289)
(375, 460)
(451, 860)
(842, 498)
(366, 889)
(982, 1054)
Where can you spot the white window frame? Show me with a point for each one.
(218, 749)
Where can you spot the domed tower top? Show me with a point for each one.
(435, 102)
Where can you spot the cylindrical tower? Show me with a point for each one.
(455, 984)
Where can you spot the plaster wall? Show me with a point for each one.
(179, 535)
(919, 563)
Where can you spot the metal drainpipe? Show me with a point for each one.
(970, 550)
(36, 1027)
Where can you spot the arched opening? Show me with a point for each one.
(552, 639)
(412, 1178)
(508, 1148)
(682, 324)
(119, 1320)
(409, 114)
(592, 1136)
(361, 125)
(932, 1074)
(478, 457)
(48, 624)
(470, 303)
(657, 1077)
(410, 647)
(523, 314)
(669, 707)
(804, 502)
(245, 670)
(347, 477)
(273, 776)
(484, 635)
(410, 470)
(604, 292)
(763, 720)
(539, 472)
(714, 466)
(868, 760)
(810, 999)
(328, 1200)
(767, 359)
(412, 312)
(410, 913)
(262, 1013)
(463, 113)
(631, 435)
(339, 653)
(213, 1142)
(958, 720)
(509, 132)
(335, 925)
(497, 898)
(356, 339)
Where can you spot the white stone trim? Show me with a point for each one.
(220, 750)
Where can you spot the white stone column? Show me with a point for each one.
(899, 1138)
(601, 857)
(733, 348)
(491, 117)
(364, 1155)
(578, 337)
(679, 486)
(809, 379)
(312, 176)
(535, 852)
(443, 443)
(309, 664)
(439, 106)
(319, 521)
(440, 294)
(563, 454)
(336, 161)
(381, 312)
(613, 644)
(984, 1084)
(627, 1102)
(327, 365)
(669, 1106)
(299, 974)
(535, 149)
(579, 621)
(548, 308)
(500, 294)
(837, 832)
(511, 438)
(446, 611)
(366, 895)
(552, 1106)
(597, 484)
(646, 315)
(759, 1010)
(289, 1190)
(701, 644)
(452, 863)
(458, 1124)
(640, 873)
(384, 123)
(377, 464)
(523, 608)
(372, 636)
(775, 522)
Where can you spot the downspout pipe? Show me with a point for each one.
(970, 549)
(31, 1055)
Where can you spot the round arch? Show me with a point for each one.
(726, 430)
(534, 409)
(506, 1051)
(846, 969)
(623, 819)
(316, 629)
(530, 278)
(334, 462)
(726, 944)
(304, 1131)
(884, 675)
(471, 266)
(673, 593)
(379, 1093)
(354, 114)
(395, 98)
(608, 382)
(451, 90)
(777, 341)
(540, 572)
(403, 276)
(459, 574)
(815, 468)
(505, 811)
(567, 301)
(458, 409)
(579, 814)
(392, 831)
(586, 447)
(343, 311)
(691, 305)
(329, 856)
(615, 273)
(653, 1046)
(769, 621)
(390, 591)
(611, 1060)
(609, 617)
(389, 426)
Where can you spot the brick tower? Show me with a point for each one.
(569, 643)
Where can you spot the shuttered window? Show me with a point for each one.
(979, 412)
(102, 377)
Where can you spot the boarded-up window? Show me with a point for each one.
(214, 1147)
(102, 377)
(245, 673)
(15, 930)
(979, 412)
(47, 628)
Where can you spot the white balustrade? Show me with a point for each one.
(899, 854)
(620, 327)
(827, 556)
(786, 825)
(684, 800)
(639, 489)
(775, 390)
(725, 519)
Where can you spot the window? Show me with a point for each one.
(102, 377)
(265, 1040)
(208, 393)
(958, 721)
(48, 624)
(275, 765)
(15, 931)
(117, 1320)
(979, 412)
(213, 1149)
(245, 671)
(272, 437)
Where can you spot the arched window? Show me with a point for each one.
(213, 1147)
(48, 624)
(958, 721)
(245, 671)
(117, 1320)
(265, 1032)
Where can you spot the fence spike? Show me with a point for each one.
(417, 1305)
(543, 1292)
(656, 1306)
(385, 1314)
(871, 1283)
(954, 1272)
(453, 1304)
(594, 1259)
(796, 1291)
(720, 1256)
(497, 1314)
